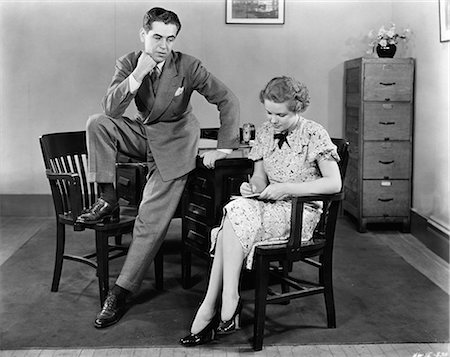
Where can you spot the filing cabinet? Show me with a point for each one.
(205, 194)
(378, 114)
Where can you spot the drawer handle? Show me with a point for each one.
(200, 182)
(196, 209)
(385, 199)
(387, 122)
(386, 162)
(123, 181)
(387, 83)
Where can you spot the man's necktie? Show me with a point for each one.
(282, 138)
(154, 78)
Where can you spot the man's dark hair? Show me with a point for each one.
(161, 15)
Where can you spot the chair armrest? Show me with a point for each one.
(332, 197)
(129, 164)
(294, 243)
(68, 176)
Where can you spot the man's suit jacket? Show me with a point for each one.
(172, 129)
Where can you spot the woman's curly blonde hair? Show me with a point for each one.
(286, 89)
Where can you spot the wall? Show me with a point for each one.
(57, 59)
(432, 114)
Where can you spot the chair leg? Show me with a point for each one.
(159, 270)
(59, 257)
(186, 261)
(286, 268)
(327, 281)
(262, 272)
(101, 246)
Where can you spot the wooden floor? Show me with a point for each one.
(16, 231)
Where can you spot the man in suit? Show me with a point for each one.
(165, 134)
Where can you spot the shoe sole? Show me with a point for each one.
(107, 324)
(110, 323)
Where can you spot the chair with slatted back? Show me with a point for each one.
(319, 254)
(65, 159)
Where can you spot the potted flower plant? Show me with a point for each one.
(386, 40)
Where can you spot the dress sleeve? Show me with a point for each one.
(257, 151)
(321, 147)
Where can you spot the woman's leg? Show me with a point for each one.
(207, 309)
(233, 256)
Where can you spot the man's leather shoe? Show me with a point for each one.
(113, 310)
(100, 211)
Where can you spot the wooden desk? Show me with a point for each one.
(206, 192)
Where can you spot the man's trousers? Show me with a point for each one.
(106, 137)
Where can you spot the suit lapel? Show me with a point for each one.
(168, 83)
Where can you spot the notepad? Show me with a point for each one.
(253, 195)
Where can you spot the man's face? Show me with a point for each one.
(158, 42)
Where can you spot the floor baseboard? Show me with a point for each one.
(433, 238)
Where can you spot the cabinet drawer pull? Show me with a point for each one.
(123, 181)
(387, 99)
(387, 122)
(196, 209)
(386, 162)
(200, 182)
(385, 199)
(387, 83)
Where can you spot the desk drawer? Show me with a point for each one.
(202, 200)
(198, 183)
(192, 224)
(386, 159)
(383, 198)
(387, 120)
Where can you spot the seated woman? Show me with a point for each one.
(293, 156)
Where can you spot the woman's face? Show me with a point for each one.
(279, 115)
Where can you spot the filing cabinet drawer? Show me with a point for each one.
(386, 159)
(384, 198)
(388, 82)
(387, 120)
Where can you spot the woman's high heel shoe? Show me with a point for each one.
(226, 327)
(204, 336)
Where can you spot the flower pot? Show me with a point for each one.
(387, 51)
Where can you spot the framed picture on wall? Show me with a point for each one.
(254, 11)
(444, 19)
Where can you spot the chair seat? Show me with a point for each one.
(124, 222)
(307, 250)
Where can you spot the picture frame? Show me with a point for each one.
(261, 12)
(444, 20)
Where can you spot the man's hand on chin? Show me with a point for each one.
(210, 157)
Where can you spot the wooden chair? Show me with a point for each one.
(65, 159)
(319, 255)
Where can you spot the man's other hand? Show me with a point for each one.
(210, 157)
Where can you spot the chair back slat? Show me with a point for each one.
(67, 153)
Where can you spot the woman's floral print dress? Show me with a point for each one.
(257, 222)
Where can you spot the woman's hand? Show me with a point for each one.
(274, 192)
(247, 189)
